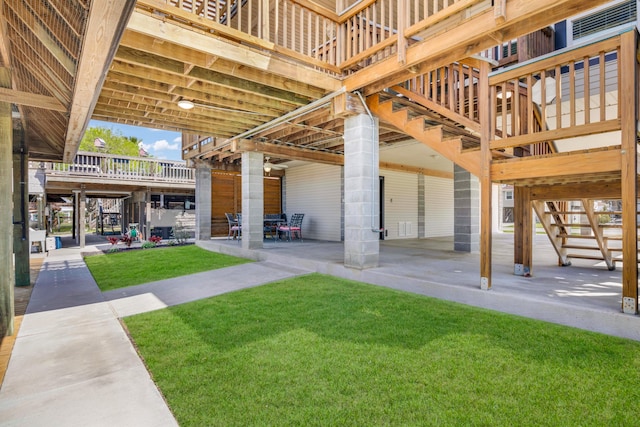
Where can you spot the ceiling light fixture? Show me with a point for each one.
(185, 104)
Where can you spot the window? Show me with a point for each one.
(608, 18)
(508, 195)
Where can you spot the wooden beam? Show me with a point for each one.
(556, 165)
(167, 49)
(105, 25)
(5, 58)
(291, 153)
(628, 90)
(417, 170)
(31, 99)
(557, 134)
(592, 190)
(209, 44)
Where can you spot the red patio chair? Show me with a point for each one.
(293, 227)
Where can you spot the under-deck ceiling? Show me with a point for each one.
(68, 61)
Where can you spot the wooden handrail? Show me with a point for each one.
(561, 85)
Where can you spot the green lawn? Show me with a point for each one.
(323, 351)
(134, 267)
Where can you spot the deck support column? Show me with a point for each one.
(522, 231)
(82, 207)
(465, 207)
(252, 200)
(629, 151)
(422, 232)
(6, 223)
(21, 242)
(486, 133)
(361, 192)
(203, 201)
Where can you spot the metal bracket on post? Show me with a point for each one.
(628, 305)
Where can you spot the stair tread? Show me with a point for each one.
(576, 236)
(589, 248)
(565, 212)
(581, 256)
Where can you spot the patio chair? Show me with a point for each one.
(234, 226)
(293, 227)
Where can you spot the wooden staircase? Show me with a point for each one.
(580, 234)
(442, 135)
(441, 110)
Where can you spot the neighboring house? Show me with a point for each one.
(156, 195)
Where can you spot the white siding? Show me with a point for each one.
(400, 205)
(438, 207)
(316, 191)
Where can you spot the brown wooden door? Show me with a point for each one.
(226, 197)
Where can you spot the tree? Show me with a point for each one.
(115, 143)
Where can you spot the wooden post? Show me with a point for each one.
(6, 224)
(21, 243)
(264, 19)
(74, 223)
(484, 105)
(628, 97)
(522, 231)
(402, 25)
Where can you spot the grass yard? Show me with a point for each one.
(323, 351)
(129, 268)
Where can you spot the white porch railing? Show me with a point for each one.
(114, 167)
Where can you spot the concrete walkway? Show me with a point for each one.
(74, 365)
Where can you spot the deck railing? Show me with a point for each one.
(114, 167)
(569, 93)
(364, 33)
(454, 88)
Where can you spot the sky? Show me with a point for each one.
(160, 144)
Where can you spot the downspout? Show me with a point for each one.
(375, 228)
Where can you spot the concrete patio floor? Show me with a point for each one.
(585, 295)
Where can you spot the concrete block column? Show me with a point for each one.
(203, 201)
(466, 206)
(361, 192)
(422, 226)
(252, 200)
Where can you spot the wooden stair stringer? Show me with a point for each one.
(431, 136)
(556, 242)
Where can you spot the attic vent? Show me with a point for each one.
(620, 14)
